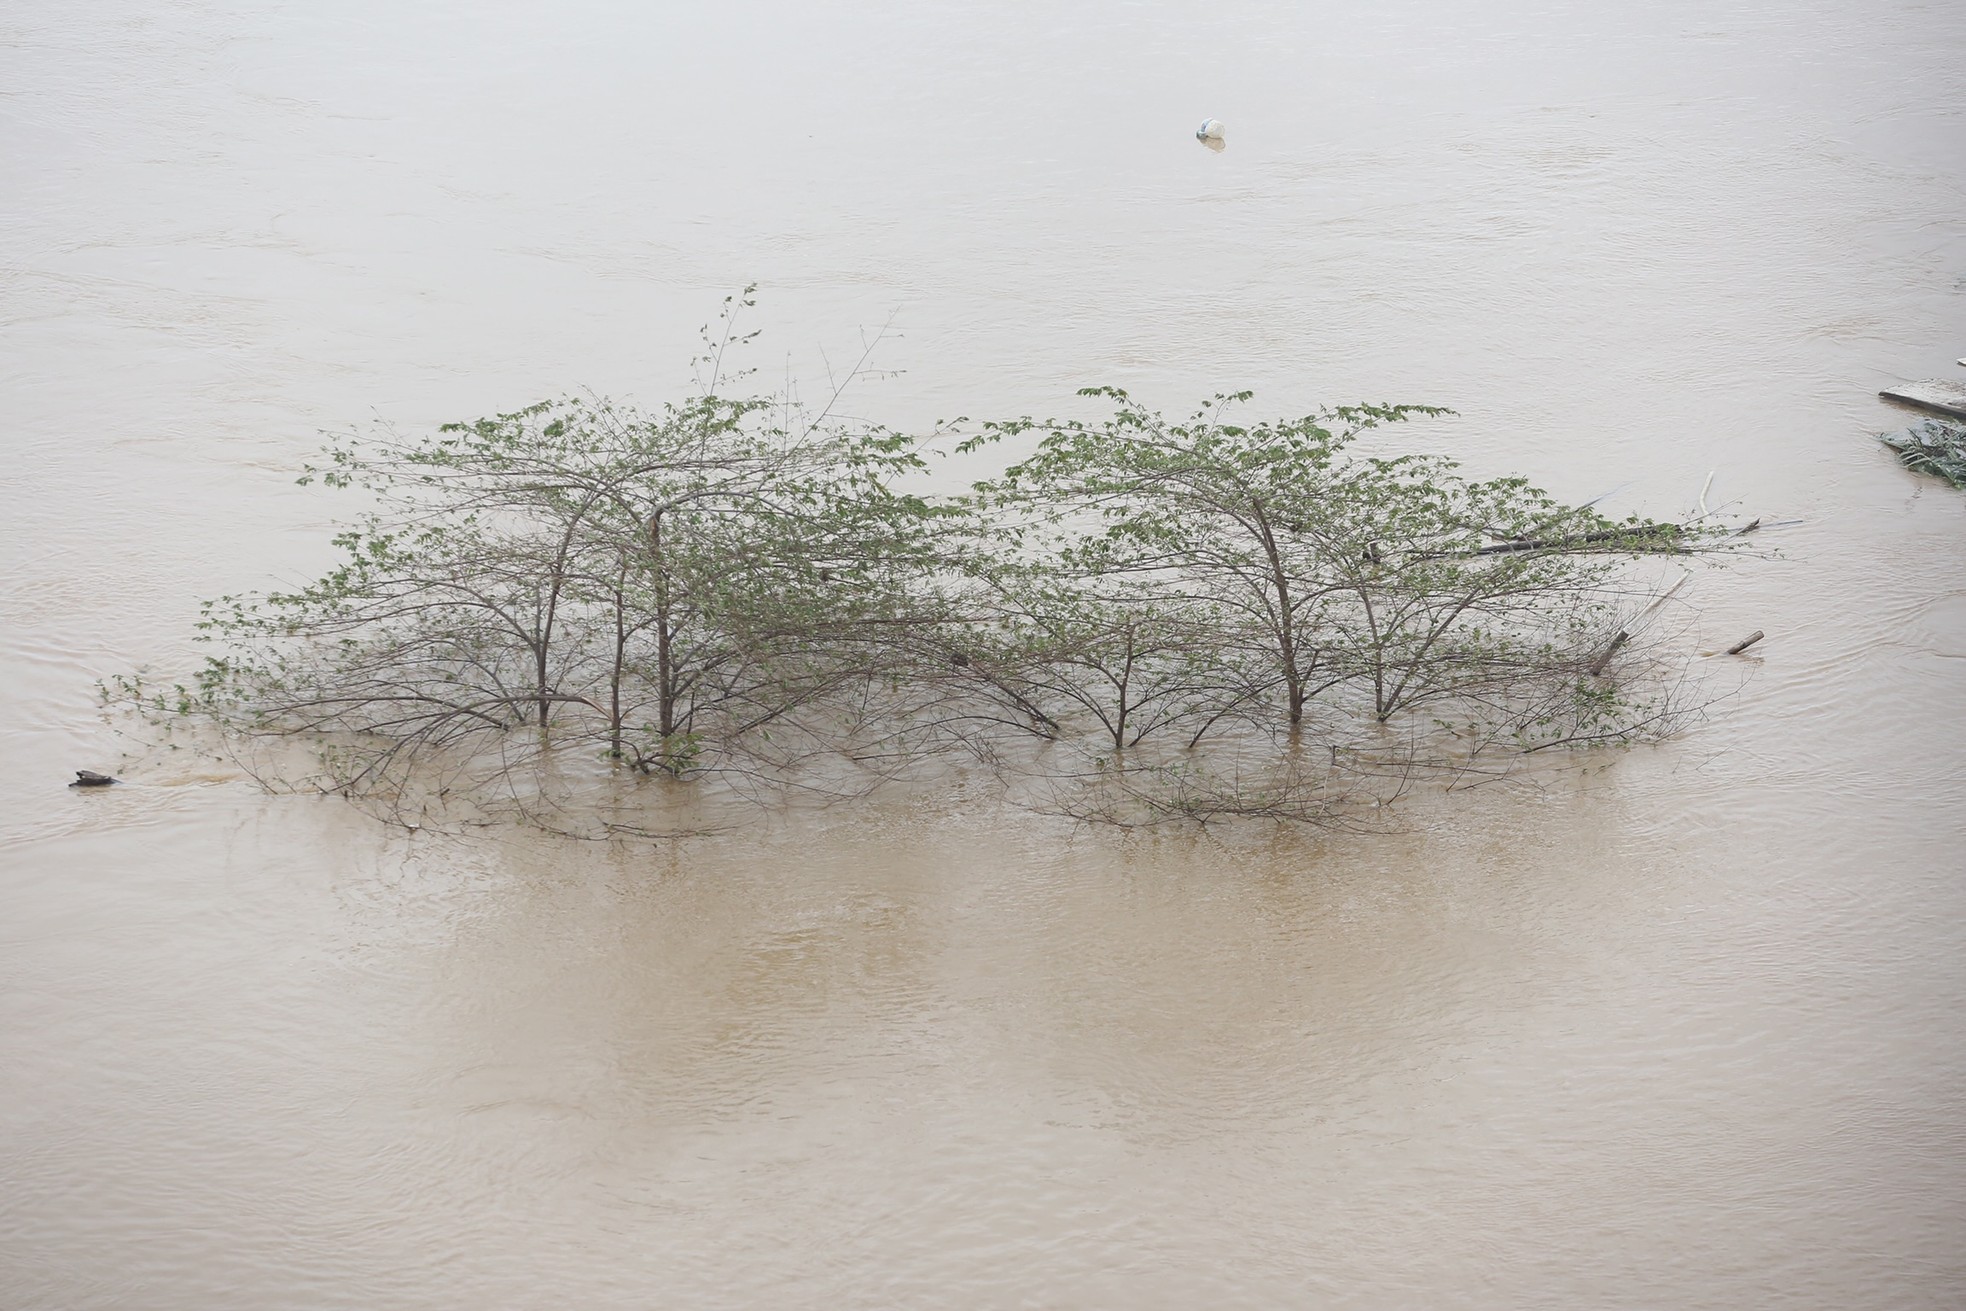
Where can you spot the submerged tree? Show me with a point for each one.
(1197, 610)
(1211, 512)
(698, 589)
(1396, 577)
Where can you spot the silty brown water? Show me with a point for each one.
(1681, 1030)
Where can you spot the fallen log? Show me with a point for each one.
(1746, 642)
(1596, 666)
(1666, 531)
(1947, 398)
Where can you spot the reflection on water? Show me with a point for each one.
(1673, 1028)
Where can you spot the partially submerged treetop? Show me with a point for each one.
(1336, 568)
(735, 588)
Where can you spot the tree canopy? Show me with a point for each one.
(1155, 618)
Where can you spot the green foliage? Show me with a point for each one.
(735, 587)
(1319, 569)
(585, 568)
(1932, 446)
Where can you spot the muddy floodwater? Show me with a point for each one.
(1682, 1027)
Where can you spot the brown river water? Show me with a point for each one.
(1681, 1027)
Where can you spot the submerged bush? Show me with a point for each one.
(1932, 446)
(1138, 619)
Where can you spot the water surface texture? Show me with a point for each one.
(1680, 1029)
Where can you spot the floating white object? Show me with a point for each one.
(1210, 130)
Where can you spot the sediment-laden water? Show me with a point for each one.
(1676, 1028)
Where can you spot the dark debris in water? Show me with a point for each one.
(1932, 446)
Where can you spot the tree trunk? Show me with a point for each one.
(614, 674)
(665, 674)
(1293, 678)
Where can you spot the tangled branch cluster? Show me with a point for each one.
(1150, 619)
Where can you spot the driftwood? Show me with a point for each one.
(1947, 398)
(1604, 657)
(1662, 531)
(1746, 642)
